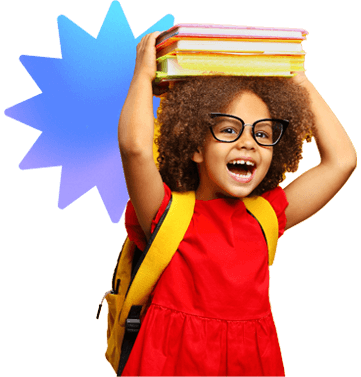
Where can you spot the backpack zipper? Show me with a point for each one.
(105, 295)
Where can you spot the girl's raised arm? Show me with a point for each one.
(313, 189)
(135, 134)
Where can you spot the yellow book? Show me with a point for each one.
(198, 64)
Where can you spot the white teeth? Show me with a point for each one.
(246, 175)
(242, 162)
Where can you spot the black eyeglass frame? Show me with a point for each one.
(283, 122)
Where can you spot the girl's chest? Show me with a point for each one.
(223, 231)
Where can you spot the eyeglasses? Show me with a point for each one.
(229, 128)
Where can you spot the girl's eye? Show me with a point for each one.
(264, 132)
(229, 130)
(261, 135)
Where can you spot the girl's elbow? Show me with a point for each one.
(352, 160)
(343, 160)
(348, 165)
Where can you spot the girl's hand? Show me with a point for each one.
(145, 64)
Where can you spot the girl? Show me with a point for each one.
(210, 313)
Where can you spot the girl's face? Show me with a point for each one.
(234, 169)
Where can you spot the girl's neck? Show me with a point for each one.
(205, 195)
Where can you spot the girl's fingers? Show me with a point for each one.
(152, 36)
(146, 55)
(147, 40)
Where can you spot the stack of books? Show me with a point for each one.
(204, 49)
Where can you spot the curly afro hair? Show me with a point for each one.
(184, 121)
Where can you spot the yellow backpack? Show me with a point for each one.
(136, 275)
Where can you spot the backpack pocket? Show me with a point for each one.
(115, 303)
(115, 331)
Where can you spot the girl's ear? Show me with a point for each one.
(198, 156)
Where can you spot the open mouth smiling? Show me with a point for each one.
(242, 170)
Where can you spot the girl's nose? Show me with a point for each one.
(246, 140)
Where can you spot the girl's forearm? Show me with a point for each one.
(136, 123)
(333, 143)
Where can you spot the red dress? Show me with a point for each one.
(210, 314)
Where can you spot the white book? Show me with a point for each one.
(230, 31)
(231, 46)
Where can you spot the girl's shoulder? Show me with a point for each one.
(278, 200)
(134, 230)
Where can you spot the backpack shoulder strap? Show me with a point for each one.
(132, 295)
(264, 213)
(161, 251)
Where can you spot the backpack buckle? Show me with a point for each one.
(132, 323)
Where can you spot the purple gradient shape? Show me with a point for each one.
(79, 107)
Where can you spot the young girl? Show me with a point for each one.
(210, 313)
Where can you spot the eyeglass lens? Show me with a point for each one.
(265, 132)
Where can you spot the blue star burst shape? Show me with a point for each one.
(79, 107)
